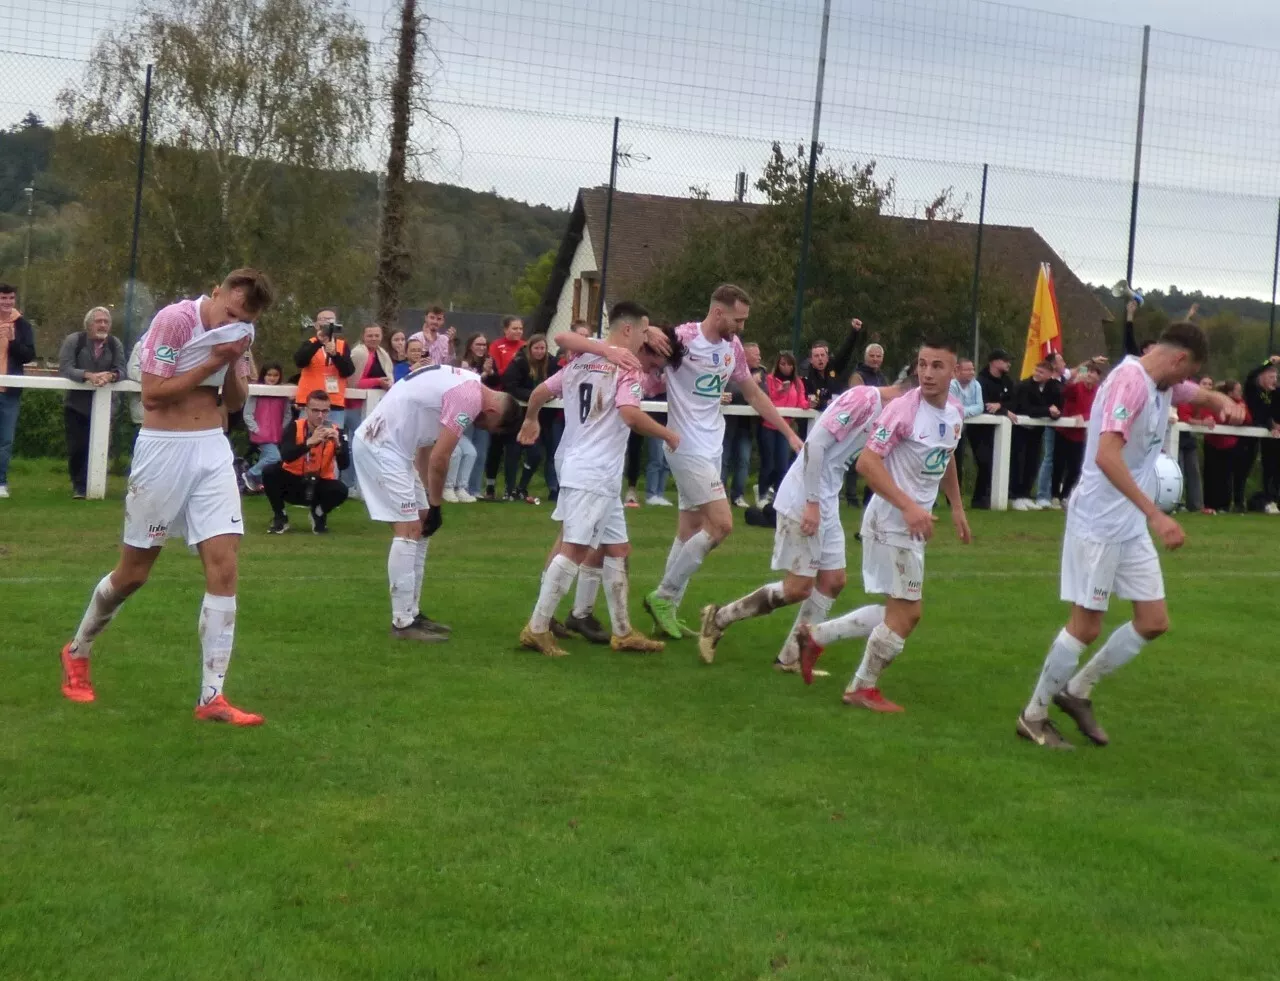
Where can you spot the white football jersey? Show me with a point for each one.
(417, 407)
(849, 418)
(917, 442)
(694, 390)
(177, 341)
(1128, 403)
(593, 448)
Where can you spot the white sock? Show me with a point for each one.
(614, 573)
(103, 604)
(217, 635)
(1121, 648)
(589, 579)
(402, 564)
(557, 580)
(882, 647)
(419, 569)
(813, 610)
(676, 581)
(762, 602)
(1058, 664)
(673, 556)
(856, 623)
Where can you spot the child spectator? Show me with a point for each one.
(1226, 466)
(399, 356)
(786, 391)
(265, 417)
(1068, 447)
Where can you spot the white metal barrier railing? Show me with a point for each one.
(100, 424)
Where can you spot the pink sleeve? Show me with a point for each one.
(460, 406)
(687, 332)
(740, 370)
(654, 383)
(1124, 402)
(850, 411)
(1184, 392)
(630, 389)
(170, 330)
(555, 384)
(894, 424)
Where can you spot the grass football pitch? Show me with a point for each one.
(468, 810)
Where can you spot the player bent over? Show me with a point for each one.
(182, 480)
(713, 357)
(1106, 547)
(808, 545)
(401, 453)
(910, 453)
(601, 406)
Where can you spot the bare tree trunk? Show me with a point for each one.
(393, 257)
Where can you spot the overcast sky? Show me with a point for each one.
(931, 89)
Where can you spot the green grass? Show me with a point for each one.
(471, 811)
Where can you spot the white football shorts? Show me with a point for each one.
(807, 555)
(590, 519)
(181, 484)
(697, 479)
(389, 484)
(1093, 572)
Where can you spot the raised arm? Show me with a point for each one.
(577, 344)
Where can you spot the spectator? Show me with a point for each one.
(312, 452)
(1068, 448)
(870, 372)
(436, 341)
(786, 391)
(1260, 397)
(91, 355)
(824, 376)
(997, 396)
(739, 430)
(475, 357)
(265, 416)
(502, 351)
(17, 347)
(1189, 450)
(1037, 397)
(1044, 480)
(966, 390)
(415, 355)
(399, 355)
(376, 371)
(326, 366)
(1224, 477)
(526, 371)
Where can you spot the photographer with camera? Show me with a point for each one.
(326, 365)
(312, 451)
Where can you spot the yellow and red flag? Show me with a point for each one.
(1044, 333)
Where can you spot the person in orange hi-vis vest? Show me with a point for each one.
(312, 451)
(326, 365)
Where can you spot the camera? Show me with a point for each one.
(335, 329)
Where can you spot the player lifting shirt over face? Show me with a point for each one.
(182, 480)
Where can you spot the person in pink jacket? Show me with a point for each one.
(265, 417)
(786, 391)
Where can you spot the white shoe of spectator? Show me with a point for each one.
(1056, 504)
(464, 496)
(4, 490)
(657, 502)
(354, 493)
(740, 502)
(1269, 509)
(1042, 505)
(1020, 504)
(450, 496)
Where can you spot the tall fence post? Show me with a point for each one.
(1137, 154)
(95, 488)
(813, 171)
(137, 216)
(608, 232)
(1275, 271)
(977, 260)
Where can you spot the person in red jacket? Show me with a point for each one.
(786, 391)
(1068, 447)
(503, 351)
(1226, 468)
(1189, 451)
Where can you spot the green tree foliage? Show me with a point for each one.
(900, 277)
(532, 284)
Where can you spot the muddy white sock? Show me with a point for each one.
(763, 601)
(217, 635)
(402, 566)
(1121, 648)
(556, 583)
(853, 625)
(419, 570)
(882, 647)
(103, 605)
(813, 610)
(589, 579)
(676, 581)
(1064, 654)
(614, 573)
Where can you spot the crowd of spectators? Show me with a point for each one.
(298, 447)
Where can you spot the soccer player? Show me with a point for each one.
(713, 356)
(1107, 548)
(910, 453)
(401, 454)
(602, 404)
(182, 480)
(808, 544)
